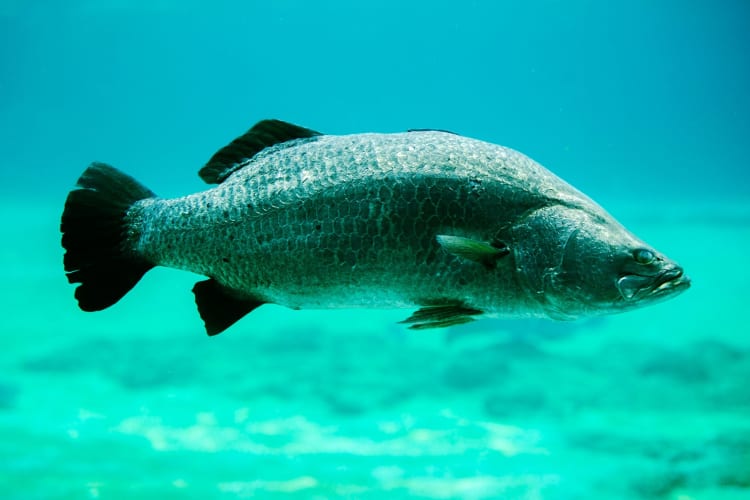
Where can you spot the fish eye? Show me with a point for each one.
(643, 256)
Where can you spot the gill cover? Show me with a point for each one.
(563, 262)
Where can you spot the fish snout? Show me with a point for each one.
(669, 281)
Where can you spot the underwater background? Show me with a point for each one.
(643, 105)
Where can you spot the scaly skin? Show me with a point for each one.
(351, 221)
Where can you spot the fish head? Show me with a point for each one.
(593, 265)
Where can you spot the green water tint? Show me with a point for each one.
(326, 404)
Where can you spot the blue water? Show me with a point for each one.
(642, 105)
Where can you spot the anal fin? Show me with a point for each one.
(219, 309)
(441, 316)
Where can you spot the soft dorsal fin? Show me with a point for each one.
(263, 134)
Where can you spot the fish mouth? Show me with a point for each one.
(671, 281)
(667, 283)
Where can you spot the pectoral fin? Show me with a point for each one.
(473, 250)
(440, 316)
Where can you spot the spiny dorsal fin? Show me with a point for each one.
(431, 130)
(263, 134)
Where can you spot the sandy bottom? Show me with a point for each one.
(136, 402)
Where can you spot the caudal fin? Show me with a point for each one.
(94, 232)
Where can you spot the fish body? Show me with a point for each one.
(426, 219)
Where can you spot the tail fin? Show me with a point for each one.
(93, 234)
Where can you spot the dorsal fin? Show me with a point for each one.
(263, 134)
(431, 130)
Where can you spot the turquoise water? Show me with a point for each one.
(642, 105)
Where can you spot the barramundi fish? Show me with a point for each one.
(453, 227)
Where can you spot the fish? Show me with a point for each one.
(451, 227)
